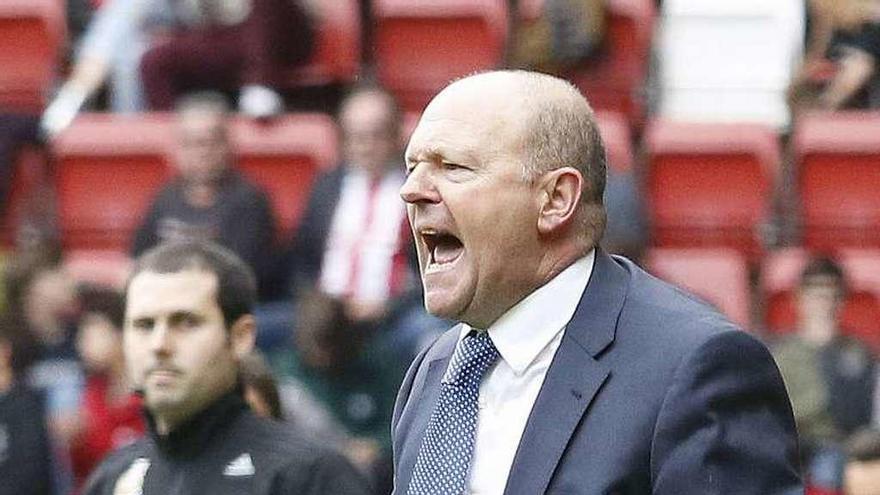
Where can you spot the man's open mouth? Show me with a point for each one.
(443, 247)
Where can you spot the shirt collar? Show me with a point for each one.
(528, 327)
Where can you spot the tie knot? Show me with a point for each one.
(473, 356)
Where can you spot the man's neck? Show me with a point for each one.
(201, 194)
(165, 424)
(168, 421)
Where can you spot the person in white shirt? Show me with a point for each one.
(571, 371)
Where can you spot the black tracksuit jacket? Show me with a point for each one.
(225, 450)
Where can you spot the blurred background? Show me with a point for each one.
(743, 147)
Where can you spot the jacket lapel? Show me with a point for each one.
(573, 380)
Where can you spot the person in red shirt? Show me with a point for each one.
(110, 413)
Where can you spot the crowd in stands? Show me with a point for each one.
(341, 316)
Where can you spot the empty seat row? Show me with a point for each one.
(712, 184)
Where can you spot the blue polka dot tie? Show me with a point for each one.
(445, 454)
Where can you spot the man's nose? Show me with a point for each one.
(160, 339)
(419, 187)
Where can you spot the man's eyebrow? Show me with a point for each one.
(426, 154)
(138, 319)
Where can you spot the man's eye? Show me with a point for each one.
(189, 321)
(453, 166)
(142, 325)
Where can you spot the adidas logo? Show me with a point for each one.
(242, 465)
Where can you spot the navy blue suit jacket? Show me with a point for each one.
(650, 391)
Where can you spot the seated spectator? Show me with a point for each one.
(566, 33)
(25, 453)
(830, 377)
(627, 230)
(862, 475)
(354, 374)
(110, 50)
(260, 388)
(229, 45)
(359, 317)
(843, 48)
(110, 413)
(288, 401)
(209, 198)
(354, 242)
(43, 301)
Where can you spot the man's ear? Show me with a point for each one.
(561, 191)
(243, 335)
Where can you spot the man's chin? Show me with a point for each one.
(442, 307)
(161, 400)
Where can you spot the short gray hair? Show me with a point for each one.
(561, 131)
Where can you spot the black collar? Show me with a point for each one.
(194, 436)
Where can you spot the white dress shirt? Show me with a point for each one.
(527, 337)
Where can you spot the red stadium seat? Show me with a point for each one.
(420, 45)
(107, 170)
(780, 277)
(615, 81)
(838, 159)
(285, 156)
(336, 58)
(31, 35)
(862, 267)
(719, 276)
(710, 184)
(617, 139)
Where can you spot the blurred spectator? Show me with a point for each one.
(228, 45)
(16, 131)
(110, 412)
(627, 230)
(288, 401)
(843, 48)
(354, 242)
(25, 451)
(862, 476)
(42, 298)
(566, 33)
(111, 47)
(260, 388)
(353, 373)
(42, 302)
(209, 199)
(830, 377)
(359, 316)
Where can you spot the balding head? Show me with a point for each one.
(370, 120)
(502, 166)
